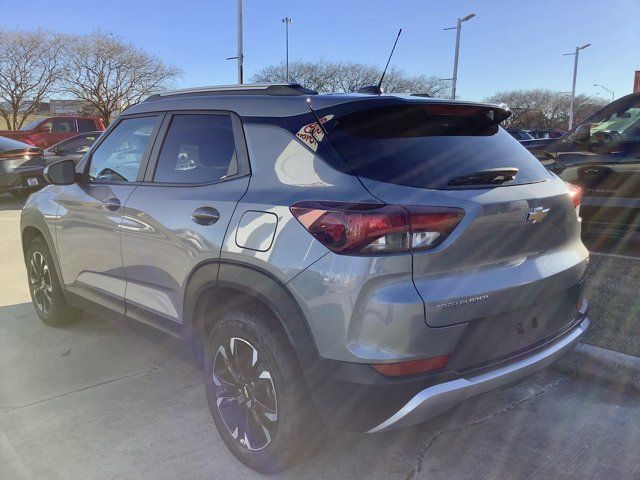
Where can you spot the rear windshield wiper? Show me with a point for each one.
(491, 176)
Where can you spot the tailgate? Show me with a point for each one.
(496, 261)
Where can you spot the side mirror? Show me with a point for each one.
(60, 173)
(45, 129)
(582, 133)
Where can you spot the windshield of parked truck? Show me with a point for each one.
(31, 125)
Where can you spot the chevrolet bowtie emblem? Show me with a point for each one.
(538, 214)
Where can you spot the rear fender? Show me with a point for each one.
(265, 288)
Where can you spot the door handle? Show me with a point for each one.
(112, 204)
(205, 215)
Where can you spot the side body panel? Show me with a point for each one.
(284, 172)
(88, 239)
(170, 229)
(162, 245)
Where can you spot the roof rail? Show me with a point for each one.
(244, 89)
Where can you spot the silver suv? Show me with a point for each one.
(354, 261)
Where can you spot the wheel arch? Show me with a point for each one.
(233, 283)
(33, 226)
(28, 235)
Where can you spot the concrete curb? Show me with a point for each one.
(619, 370)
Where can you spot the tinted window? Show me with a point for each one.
(86, 125)
(525, 136)
(80, 144)
(197, 149)
(408, 145)
(118, 157)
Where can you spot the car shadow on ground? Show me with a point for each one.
(99, 396)
(104, 379)
(39, 362)
(628, 245)
(104, 399)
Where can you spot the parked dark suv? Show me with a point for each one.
(602, 156)
(355, 261)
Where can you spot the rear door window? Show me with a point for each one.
(60, 125)
(411, 145)
(86, 125)
(197, 149)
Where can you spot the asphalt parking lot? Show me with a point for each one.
(102, 400)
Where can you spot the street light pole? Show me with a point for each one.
(240, 53)
(458, 28)
(611, 92)
(287, 21)
(573, 88)
(455, 60)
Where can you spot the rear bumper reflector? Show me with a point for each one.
(412, 367)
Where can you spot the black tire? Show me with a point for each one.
(278, 394)
(20, 194)
(46, 293)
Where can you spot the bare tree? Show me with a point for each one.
(111, 75)
(328, 76)
(31, 64)
(544, 109)
(585, 106)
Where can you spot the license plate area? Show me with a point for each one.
(496, 338)
(33, 182)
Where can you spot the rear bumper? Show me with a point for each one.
(16, 180)
(438, 398)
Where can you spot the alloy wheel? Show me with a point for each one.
(245, 394)
(40, 282)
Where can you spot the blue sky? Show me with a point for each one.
(508, 45)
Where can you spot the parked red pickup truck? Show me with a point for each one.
(48, 131)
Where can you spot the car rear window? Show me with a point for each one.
(411, 145)
(86, 125)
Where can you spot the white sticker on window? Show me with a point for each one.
(311, 134)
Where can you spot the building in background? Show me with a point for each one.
(70, 107)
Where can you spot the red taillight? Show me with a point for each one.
(349, 228)
(575, 193)
(412, 367)
(25, 153)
